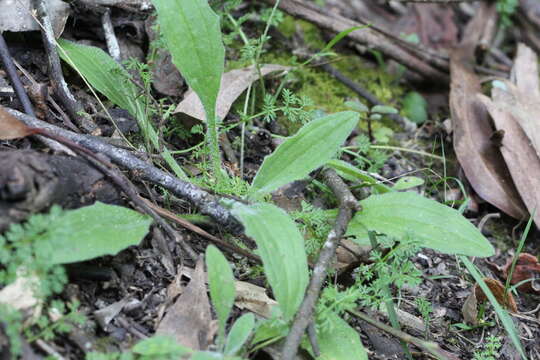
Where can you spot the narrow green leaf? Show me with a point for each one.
(281, 247)
(221, 284)
(340, 36)
(415, 107)
(501, 313)
(350, 172)
(239, 333)
(408, 182)
(384, 109)
(313, 145)
(93, 231)
(193, 36)
(434, 225)
(339, 341)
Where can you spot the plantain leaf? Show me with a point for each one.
(92, 231)
(281, 247)
(434, 225)
(339, 341)
(104, 74)
(313, 145)
(239, 334)
(193, 36)
(221, 284)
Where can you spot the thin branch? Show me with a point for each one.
(428, 346)
(206, 202)
(303, 317)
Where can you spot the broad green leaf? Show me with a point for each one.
(414, 107)
(313, 145)
(339, 341)
(93, 231)
(356, 106)
(408, 182)
(221, 284)
(352, 173)
(193, 36)
(434, 225)
(281, 247)
(240, 332)
(160, 346)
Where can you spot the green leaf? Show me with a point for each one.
(340, 36)
(384, 109)
(112, 80)
(415, 107)
(93, 231)
(313, 145)
(160, 346)
(239, 333)
(103, 73)
(356, 106)
(281, 247)
(221, 284)
(350, 172)
(434, 225)
(408, 182)
(339, 341)
(193, 36)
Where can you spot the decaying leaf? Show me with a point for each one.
(189, 319)
(480, 159)
(253, 298)
(513, 109)
(233, 84)
(477, 296)
(527, 267)
(10, 127)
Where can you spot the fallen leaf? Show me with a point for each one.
(189, 319)
(10, 127)
(512, 108)
(253, 298)
(233, 84)
(480, 159)
(497, 289)
(19, 294)
(477, 296)
(527, 267)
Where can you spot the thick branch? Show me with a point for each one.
(207, 203)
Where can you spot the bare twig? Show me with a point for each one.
(123, 183)
(14, 78)
(430, 347)
(372, 99)
(207, 203)
(73, 107)
(338, 23)
(303, 317)
(110, 37)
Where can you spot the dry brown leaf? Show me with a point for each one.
(189, 319)
(497, 289)
(253, 298)
(527, 267)
(480, 159)
(10, 127)
(233, 84)
(521, 159)
(513, 111)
